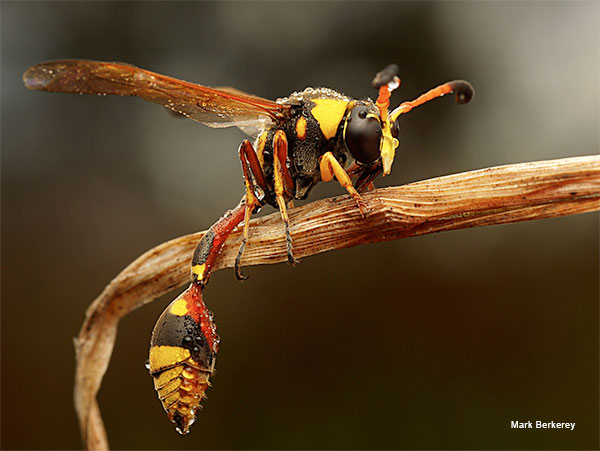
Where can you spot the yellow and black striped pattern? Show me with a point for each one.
(182, 357)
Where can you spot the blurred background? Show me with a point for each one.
(431, 342)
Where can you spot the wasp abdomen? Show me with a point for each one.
(183, 350)
(180, 390)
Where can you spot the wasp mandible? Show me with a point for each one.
(310, 136)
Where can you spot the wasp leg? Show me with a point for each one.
(330, 167)
(280, 149)
(364, 181)
(253, 176)
(354, 169)
(283, 184)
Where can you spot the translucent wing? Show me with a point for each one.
(210, 106)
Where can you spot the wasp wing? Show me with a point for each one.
(210, 106)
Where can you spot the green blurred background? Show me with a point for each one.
(431, 342)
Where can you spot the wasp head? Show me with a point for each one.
(371, 134)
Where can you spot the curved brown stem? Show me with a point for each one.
(513, 193)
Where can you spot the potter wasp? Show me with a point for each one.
(310, 136)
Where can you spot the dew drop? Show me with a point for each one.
(258, 192)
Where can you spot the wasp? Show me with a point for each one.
(310, 136)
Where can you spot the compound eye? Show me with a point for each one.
(363, 135)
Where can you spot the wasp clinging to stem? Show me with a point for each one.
(308, 137)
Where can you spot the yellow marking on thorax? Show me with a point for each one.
(199, 270)
(262, 141)
(301, 128)
(179, 307)
(329, 113)
(166, 356)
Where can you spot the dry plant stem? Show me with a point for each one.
(499, 195)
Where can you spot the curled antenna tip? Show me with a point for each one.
(464, 91)
(385, 76)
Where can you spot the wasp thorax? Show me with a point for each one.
(362, 134)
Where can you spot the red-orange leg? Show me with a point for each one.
(280, 148)
(354, 169)
(330, 167)
(364, 181)
(283, 185)
(253, 174)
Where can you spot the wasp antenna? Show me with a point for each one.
(463, 90)
(386, 81)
